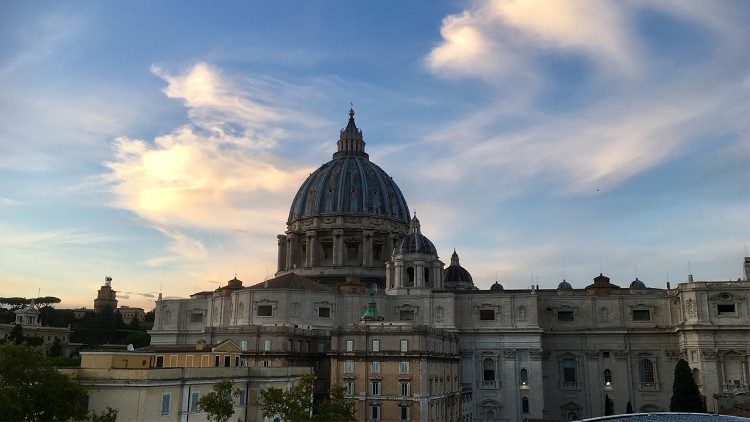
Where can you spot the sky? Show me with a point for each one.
(161, 143)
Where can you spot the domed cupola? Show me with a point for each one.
(564, 285)
(637, 284)
(345, 218)
(457, 277)
(414, 267)
(415, 241)
(497, 287)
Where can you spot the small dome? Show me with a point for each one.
(415, 242)
(637, 284)
(497, 287)
(455, 273)
(564, 285)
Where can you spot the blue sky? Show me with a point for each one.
(162, 143)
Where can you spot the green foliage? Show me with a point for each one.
(150, 316)
(56, 348)
(685, 394)
(31, 389)
(138, 339)
(46, 300)
(296, 405)
(52, 317)
(14, 302)
(109, 415)
(16, 334)
(219, 403)
(64, 362)
(609, 406)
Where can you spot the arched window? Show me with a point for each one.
(647, 371)
(523, 376)
(525, 405)
(410, 277)
(427, 277)
(607, 377)
(488, 367)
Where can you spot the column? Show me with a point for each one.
(338, 247)
(399, 274)
(418, 274)
(367, 248)
(281, 261)
(312, 248)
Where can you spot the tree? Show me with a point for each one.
(56, 348)
(685, 394)
(629, 408)
(31, 389)
(109, 415)
(609, 406)
(16, 334)
(296, 405)
(219, 403)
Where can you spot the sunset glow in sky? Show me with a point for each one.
(162, 143)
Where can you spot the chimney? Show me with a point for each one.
(747, 268)
(690, 278)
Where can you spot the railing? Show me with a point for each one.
(489, 384)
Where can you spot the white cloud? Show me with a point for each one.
(219, 173)
(501, 38)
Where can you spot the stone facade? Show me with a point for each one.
(496, 355)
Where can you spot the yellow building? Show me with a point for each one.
(165, 385)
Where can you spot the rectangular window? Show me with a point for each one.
(486, 314)
(352, 251)
(243, 397)
(348, 366)
(725, 309)
(205, 360)
(525, 405)
(266, 363)
(349, 385)
(403, 367)
(189, 361)
(266, 345)
(173, 360)
(375, 413)
(569, 370)
(85, 402)
(406, 315)
(160, 361)
(227, 361)
(565, 316)
(376, 345)
(324, 312)
(377, 250)
(321, 347)
(404, 410)
(194, 401)
(165, 399)
(217, 360)
(375, 367)
(265, 310)
(404, 345)
(349, 345)
(196, 318)
(375, 388)
(404, 387)
(327, 250)
(641, 315)
(605, 355)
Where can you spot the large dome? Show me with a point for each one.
(349, 184)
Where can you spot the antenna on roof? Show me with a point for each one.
(235, 270)
(636, 270)
(690, 271)
(601, 271)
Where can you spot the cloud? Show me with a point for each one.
(220, 172)
(501, 38)
(632, 114)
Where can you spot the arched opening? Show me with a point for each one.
(525, 405)
(427, 281)
(488, 371)
(607, 377)
(409, 277)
